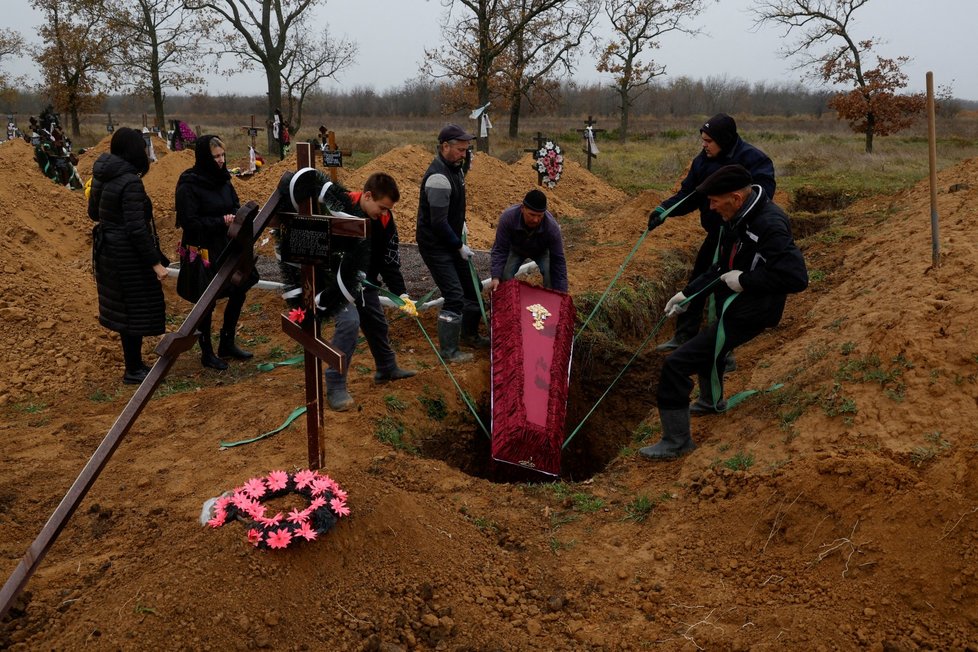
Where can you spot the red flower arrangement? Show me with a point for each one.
(327, 504)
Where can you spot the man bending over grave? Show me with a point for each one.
(529, 230)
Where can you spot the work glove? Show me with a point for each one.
(466, 252)
(409, 308)
(732, 279)
(656, 217)
(673, 306)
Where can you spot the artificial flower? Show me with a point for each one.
(255, 488)
(321, 485)
(279, 538)
(277, 480)
(339, 493)
(240, 500)
(254, 536)
(303, 478)
(217, 521)
(339, 506)
(269, 521)
(297, 315)
(298, 516)
(317, 503)
(306, 532)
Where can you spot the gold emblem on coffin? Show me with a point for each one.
(540, 314)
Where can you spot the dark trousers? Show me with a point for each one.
(688, 323)
(232, 312)
(452, 276)
(132, 351)
(370, 319)
(514, 261)
(698, 357)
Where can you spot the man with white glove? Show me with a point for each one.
(441, 224)
(759, 265)
(375, 201)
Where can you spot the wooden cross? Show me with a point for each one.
(316, 351)
(253, 132)
(109, 126)
(589, 126)
(333, 157)
(541, 139)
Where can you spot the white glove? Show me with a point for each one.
(732, 279)
(465, 252)
(673, 306)
(409, 307)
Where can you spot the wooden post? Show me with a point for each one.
(333, 156)
(935, 231)
(541, 139)
(589, 127)
(110, 127)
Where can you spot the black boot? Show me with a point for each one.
(132, 353)
(676, 438)
(470, 331)
(207, 357)
(706, 404)
(226, 348)
(449, 331)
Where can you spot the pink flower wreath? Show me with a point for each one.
(327, 503)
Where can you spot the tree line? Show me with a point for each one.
(517, 55)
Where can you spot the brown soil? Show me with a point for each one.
(856, 526)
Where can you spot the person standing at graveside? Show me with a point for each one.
(205, 204)
(126, 257)
(529, 230)
(758, 266)
(376, 202)
(721, 146)
(441, 223)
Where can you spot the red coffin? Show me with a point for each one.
(532, 341)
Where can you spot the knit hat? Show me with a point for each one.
(535, 200)
(727, 179)
(723, 129)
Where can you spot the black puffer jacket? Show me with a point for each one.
(124, 250)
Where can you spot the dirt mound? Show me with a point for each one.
(837, 512)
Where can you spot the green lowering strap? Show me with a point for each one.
(630, 361)
(268, 366)
(296, 413)
(465, 398)
(624, 264)
(476, 284)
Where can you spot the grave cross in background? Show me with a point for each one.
(332, 155)
(314, 232)
(541, 139)
(109, 125)
(252, 131)
(590, 148)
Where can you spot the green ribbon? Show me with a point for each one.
(296, 413)
(268, 366)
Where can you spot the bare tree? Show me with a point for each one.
(827, 49)
(637, 25)
(75, 54)
(11, 43)
(542, 49)
(308, 63)
(476, 42)
(158, 48)
(257, 33)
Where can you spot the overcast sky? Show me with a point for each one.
(392, 35)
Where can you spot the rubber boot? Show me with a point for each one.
(470, 331)
(671, 345)
(396, 373)
(226, 347)
(676, 438)
(207, 357)
(704, 405)
(449, 331)
(687, 326)
(132, 353)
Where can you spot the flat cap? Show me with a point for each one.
(726, 179)
(453, 132)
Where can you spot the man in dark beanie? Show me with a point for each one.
(757, 267)
(529, 230)
(721, 146)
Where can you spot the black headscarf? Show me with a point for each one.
(204, 163)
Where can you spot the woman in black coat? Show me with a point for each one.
(206, 203)
(129, 266)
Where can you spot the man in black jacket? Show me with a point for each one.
(721, 146)
(441, 223)
(757, 266)
(375, 201)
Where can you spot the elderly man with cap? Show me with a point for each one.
(757, 267)
(529, 230)
(721, 146)
(441, 223)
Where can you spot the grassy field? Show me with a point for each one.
(820, 153)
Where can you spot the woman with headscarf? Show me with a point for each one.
(206, 203)
(129, 266)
